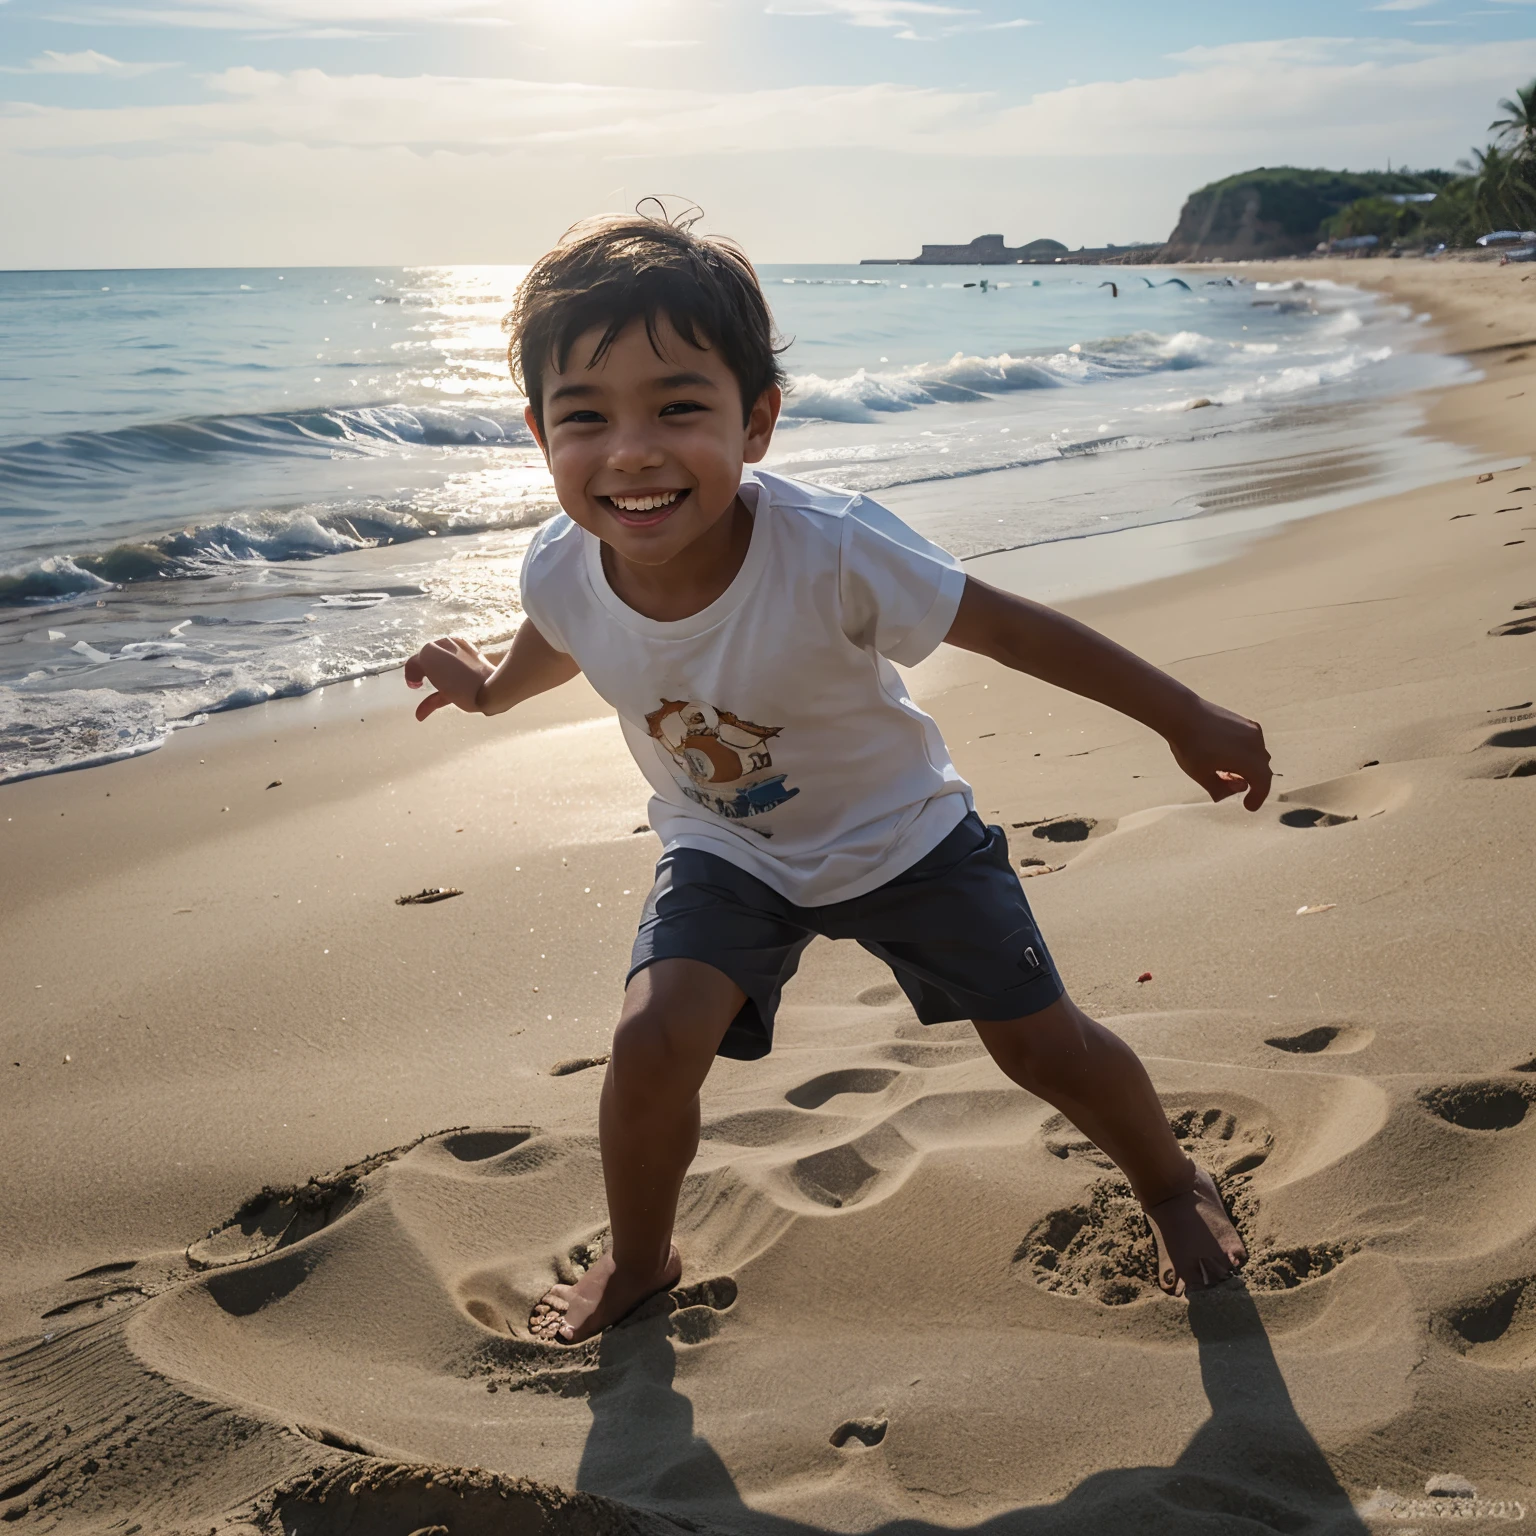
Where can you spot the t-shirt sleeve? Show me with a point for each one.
(899, 592)
(536, 581)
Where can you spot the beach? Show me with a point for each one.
(287, 1162)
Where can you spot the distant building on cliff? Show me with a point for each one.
(989, 251)
(983, 251)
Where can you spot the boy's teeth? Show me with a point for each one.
(643, 503)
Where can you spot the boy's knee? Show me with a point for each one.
(653, 1056)
(1043, 1048)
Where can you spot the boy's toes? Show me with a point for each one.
(1197, 1245)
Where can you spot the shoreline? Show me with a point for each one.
(243, 1005)
(49, 732)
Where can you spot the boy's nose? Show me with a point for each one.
(633, 452)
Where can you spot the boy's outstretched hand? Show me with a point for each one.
(1223, 753)
(456, 671)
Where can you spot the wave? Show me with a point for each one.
(865, 395)
(73, 460)
(261, 538)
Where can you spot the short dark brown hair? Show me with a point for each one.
(609, 272)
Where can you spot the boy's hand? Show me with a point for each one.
(1223, 753)
(456, 671)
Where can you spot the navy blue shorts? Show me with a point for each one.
(955, 930)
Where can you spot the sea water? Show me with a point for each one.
(221, 487)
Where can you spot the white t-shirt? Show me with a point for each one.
(772, 725)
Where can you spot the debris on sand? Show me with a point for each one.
(1325, 906)
(577, 1064)
(1028, 868)
(275, 784)
(426, 897)
(1482, 479)
(1145, 976)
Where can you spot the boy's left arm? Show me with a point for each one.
(1222, 752)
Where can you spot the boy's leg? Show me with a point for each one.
(1098, 1082)
(675, 1014)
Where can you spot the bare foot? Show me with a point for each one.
(567, 1314)
(1197, 1245)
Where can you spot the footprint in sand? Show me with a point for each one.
(1481, 1106)
(842, 1176)
(1102, 1250)
(1336, 1039)
(276, 1218)
(1521, 626)
(1063, 829)
(1497, 1327)
(881, 995)
(866, 1432)
(1520, 736)
(1221, 1142)
(698, 1308)
(1369, 791)
(1309, 817)
(477, 1146)
(816, 1092)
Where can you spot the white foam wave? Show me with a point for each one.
(866, 395)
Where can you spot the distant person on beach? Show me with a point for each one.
(744, 625)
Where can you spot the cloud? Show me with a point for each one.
(308, 18)
(87, 63)
(1402, 5)
(869, 13)
(1303, 100)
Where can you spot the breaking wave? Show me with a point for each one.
(865, 395)
(77, 459)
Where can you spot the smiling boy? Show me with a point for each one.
(744, 625)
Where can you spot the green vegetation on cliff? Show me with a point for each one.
(1279, 210)
(1285, 211)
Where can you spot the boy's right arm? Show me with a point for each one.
(487, 685)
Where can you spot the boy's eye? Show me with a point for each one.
(581, 418)
(680, 407)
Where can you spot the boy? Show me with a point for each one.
(744, 627)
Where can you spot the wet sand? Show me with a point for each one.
(911, 1295)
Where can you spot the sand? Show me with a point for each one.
(286, 1163)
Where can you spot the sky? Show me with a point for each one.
(360, 132)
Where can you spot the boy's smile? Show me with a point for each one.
(646, 448)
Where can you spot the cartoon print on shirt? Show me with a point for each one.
(720, 751)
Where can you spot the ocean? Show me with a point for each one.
(223, 487)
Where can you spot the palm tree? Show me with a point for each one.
(1500, 195)
(1518, 126)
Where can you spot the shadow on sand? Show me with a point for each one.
(1251, 1468)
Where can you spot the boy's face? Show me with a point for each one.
(645, 450)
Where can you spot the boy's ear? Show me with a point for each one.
(761, 421)
(533, 426)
